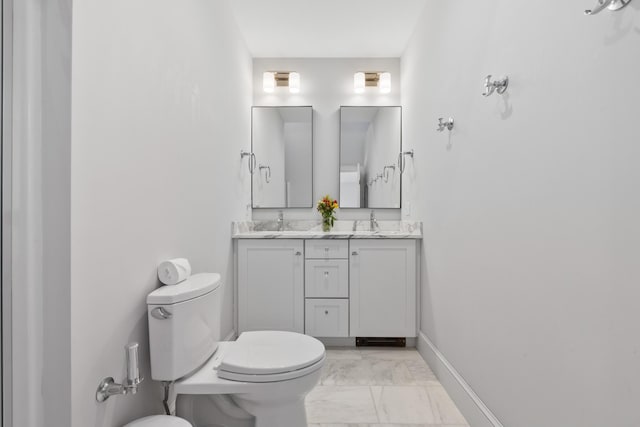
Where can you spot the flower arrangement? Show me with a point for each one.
(326, 207)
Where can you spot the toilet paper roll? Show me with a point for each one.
(174, 271)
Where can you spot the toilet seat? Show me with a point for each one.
(268, 356)
(209, 379)
(159, 421)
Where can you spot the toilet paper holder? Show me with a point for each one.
(108, 387)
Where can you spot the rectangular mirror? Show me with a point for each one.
(370, 141)
(282, 141)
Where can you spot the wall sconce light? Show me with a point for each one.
(370, 78)
(268, 81)
(272, 79)
(359, 82)
(294, 82)
(384, 83)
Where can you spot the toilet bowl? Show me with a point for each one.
(260, 379)
(159, 421)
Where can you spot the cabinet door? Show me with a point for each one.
(270, 285)
(383, 288)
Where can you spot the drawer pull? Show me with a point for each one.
(354, 253)
(326, 312)
(326, 249)
(298, 253)
(326, 274)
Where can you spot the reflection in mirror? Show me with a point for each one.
(370, 140)
(282, 141)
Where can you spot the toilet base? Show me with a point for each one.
(291, 414)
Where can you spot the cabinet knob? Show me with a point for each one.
(326, 312)
(354, 253)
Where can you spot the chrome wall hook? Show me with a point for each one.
(445, 124)
(402, 162)
(251, 161)
(607, 4)
(499, 86)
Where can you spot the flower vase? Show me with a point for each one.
(326, 224)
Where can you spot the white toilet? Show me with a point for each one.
(159, 421)
(266, 374)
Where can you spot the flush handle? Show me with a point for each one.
(161, 314)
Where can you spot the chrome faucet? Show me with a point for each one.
(280, 221)
(373, 222)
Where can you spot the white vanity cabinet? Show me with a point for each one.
(271, 285)
(382, 281)
(329, 288)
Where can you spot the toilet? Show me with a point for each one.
(159, 421)
(260, 380)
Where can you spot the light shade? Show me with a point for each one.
(358, 82)
(384, 84)
(268, 81)
(294, 82)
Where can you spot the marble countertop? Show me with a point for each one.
(304, 229)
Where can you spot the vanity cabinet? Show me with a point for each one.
(271, 285)
(382, 284)
(330, 288)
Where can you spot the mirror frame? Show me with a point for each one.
(253, 107)
(340, 151)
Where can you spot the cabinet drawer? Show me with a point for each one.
(327, 317)
(326, 278)
(325, 249)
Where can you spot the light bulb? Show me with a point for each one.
(358, 82)
(294, 82)
(268, 81)
(385, 82)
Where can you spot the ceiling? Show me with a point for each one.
(327, 28)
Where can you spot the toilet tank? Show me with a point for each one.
(184, 325)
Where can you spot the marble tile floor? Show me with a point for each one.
(379, 387)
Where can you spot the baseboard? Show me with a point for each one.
(469, 403)
(231, 336)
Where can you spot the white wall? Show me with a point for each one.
(326, 84)
(531, 207)
(161, 109)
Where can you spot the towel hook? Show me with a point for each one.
(607, 4)
(445, 124)
(402, 162)
(251, 160)
(499, 86)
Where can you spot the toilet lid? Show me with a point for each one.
(271, 352)
(159, 421)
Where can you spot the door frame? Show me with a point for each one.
(6, 60)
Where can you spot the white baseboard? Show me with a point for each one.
(469, 403)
